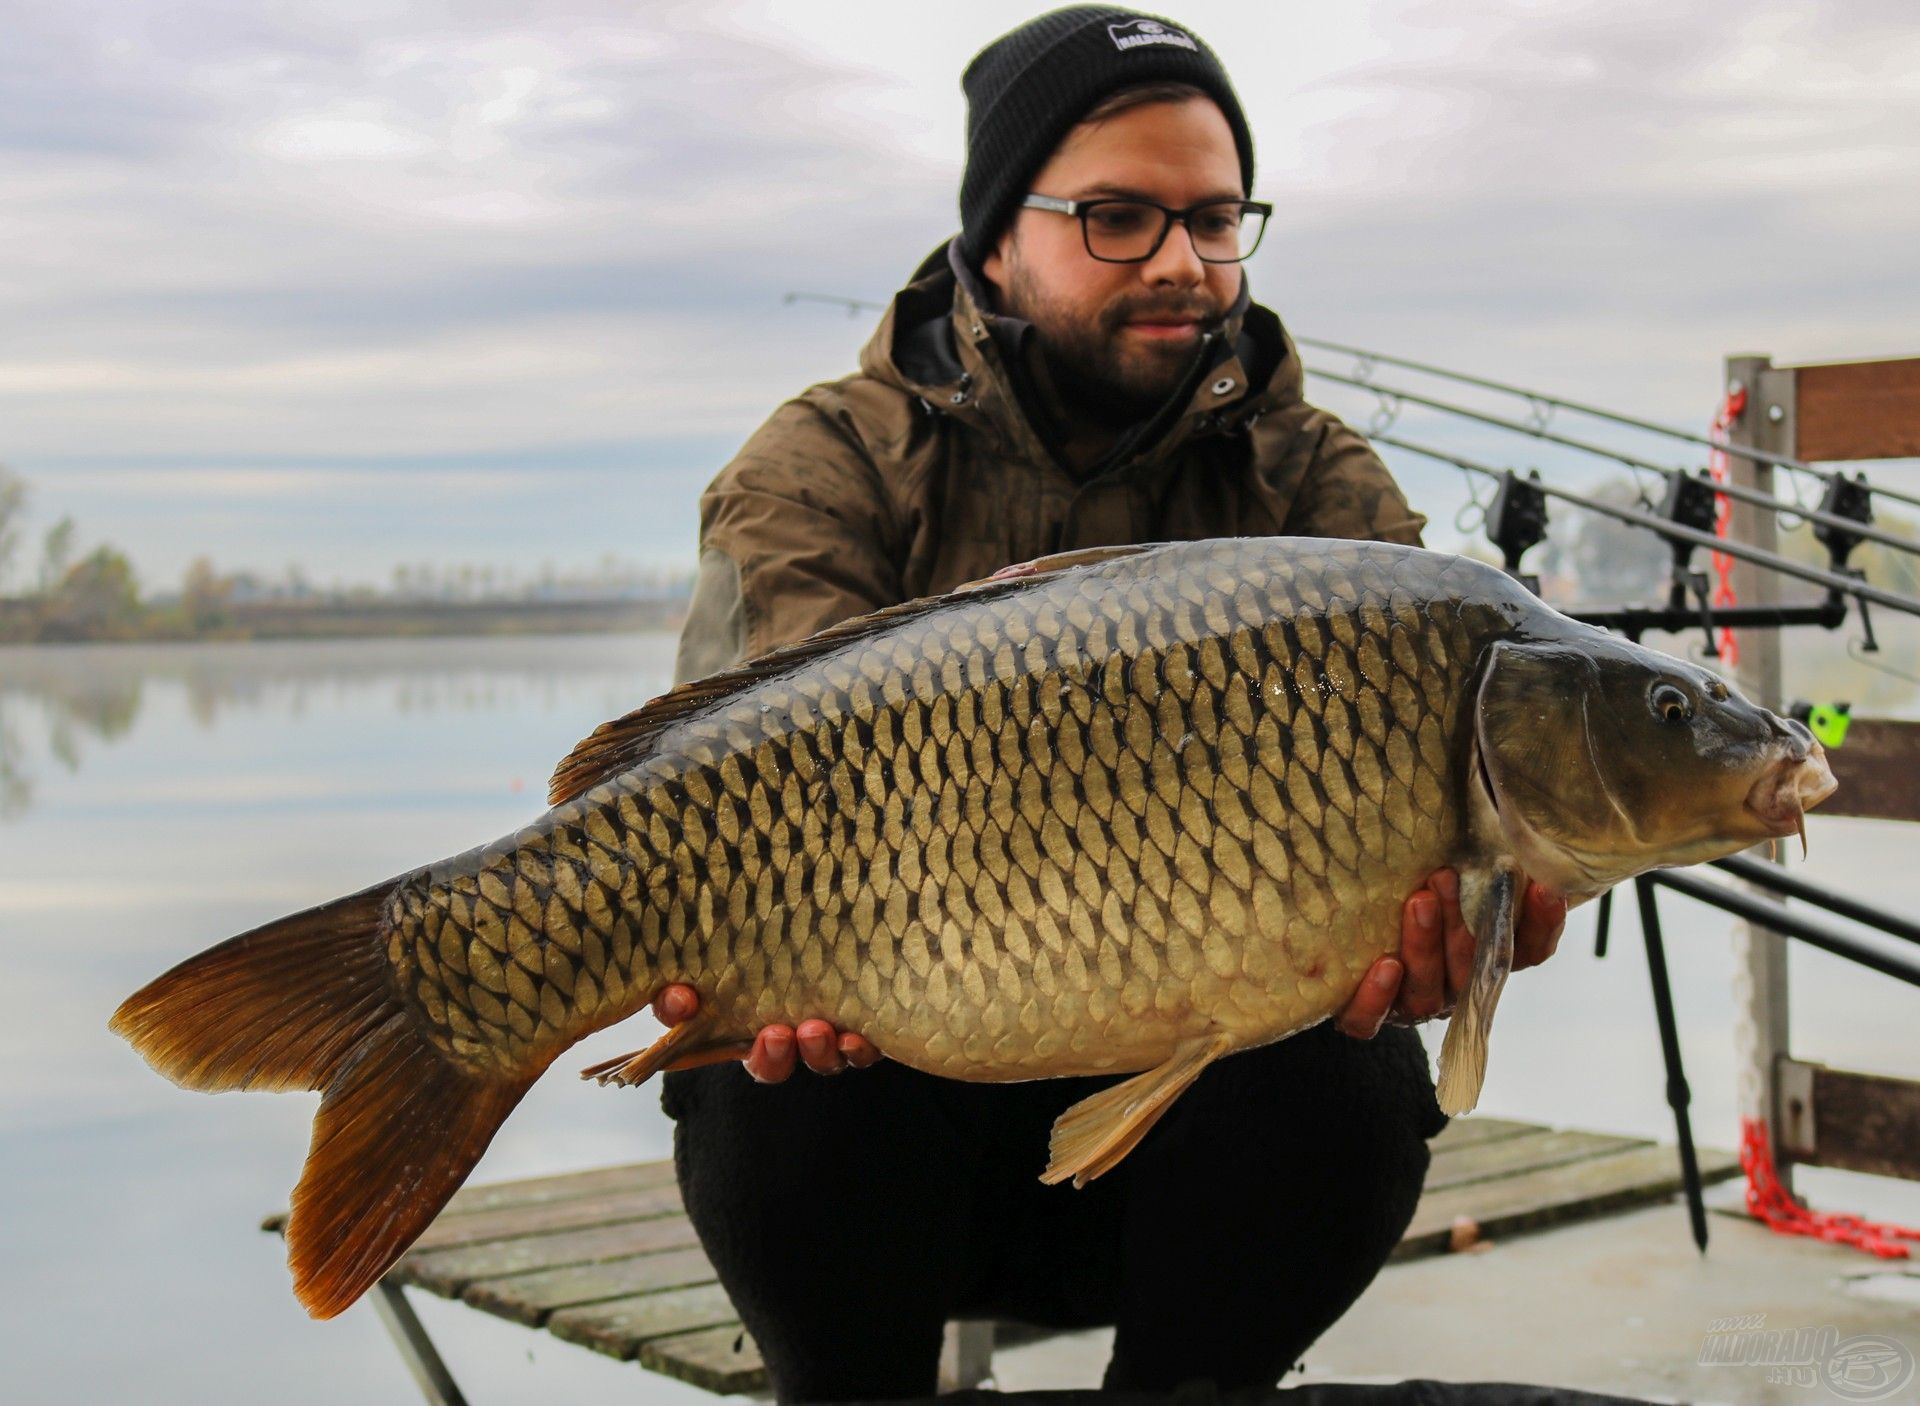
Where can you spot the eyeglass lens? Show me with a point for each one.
(1125, 231)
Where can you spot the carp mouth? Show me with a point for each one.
(1790, 788)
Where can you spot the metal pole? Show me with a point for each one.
(1679, 1096)
(1760, 1031)
(430, 1374)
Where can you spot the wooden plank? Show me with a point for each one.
(721, 1360)
(1858, 409)
(1555, 1195)
(529, 1298)
(511, 1221)
(618, 1327)
(1866, 1123)
(1878, 768)
(448, 1272)
(539, 1191)
(1464, 1132)
(1510, 1156)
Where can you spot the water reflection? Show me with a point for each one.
(62, 706)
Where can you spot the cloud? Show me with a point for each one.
(412, 240)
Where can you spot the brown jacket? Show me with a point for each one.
(931, 466)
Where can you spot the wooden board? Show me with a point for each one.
(1532, 1151)
(474, 1227)
(1465, 1131)
(620, 1327)
(1878, 768)
(529, 1298)
(722, 1360)
(1866, 1123)
(448, 1272)
(1537, 1198)
(1858, 410)
(567, 1186)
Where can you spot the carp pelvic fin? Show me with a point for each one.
(684, 1046)
(1490, 902)
(1092, 1137)
(308, 1003)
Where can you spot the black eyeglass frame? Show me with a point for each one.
(1168, 218)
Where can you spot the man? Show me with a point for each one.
(1082, 366)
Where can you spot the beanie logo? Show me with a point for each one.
(1135, 33)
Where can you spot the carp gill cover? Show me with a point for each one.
(1127, 810)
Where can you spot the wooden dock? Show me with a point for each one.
(607, 1259)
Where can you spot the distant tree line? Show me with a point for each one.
(66, 596)
(93, 597)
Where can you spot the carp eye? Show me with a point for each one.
(1718, 693)
(1670, 703)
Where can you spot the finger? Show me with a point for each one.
(819, 1046)
(676, 1003)
(1363, 1015)
(1543, 918)
(1424, 989)
(858, 1051)
(1456, 938)
(772, 1059)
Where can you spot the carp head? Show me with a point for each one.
(1604, 759)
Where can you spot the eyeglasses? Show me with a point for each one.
(1132, 231)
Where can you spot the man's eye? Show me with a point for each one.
(1117, 219)
(1217, 221)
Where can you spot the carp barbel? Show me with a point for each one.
(1128, 810)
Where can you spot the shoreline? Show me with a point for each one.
(275, 620)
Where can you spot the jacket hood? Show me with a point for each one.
(940, 342)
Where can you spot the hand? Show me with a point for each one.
(1435, 963)
(772, 1059)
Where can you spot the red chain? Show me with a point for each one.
(1769, 1201)
(1730, 410)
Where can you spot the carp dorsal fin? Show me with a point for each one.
(623, 743)
(1061, 561)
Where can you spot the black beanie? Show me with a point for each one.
(1027, 89)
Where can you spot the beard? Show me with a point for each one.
(1099, 374)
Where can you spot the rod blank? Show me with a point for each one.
(1579, 408)
(1846, 585)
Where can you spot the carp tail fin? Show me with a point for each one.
(309, 1002)
(1490, 901)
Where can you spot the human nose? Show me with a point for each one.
(1176, 262)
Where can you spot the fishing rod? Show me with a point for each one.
(1538, 399)
(854, 306)
(1853, 526)
(1675, 531)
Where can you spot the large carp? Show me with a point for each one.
(1131, 810)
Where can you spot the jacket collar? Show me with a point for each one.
(941, 342)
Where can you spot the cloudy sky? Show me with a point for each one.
(351, 284)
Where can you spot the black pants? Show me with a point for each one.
(850, 1217)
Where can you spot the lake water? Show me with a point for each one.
(154, 800)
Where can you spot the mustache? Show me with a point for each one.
(1164, 308)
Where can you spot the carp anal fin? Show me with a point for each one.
(683, 1046)
(1490, 904)
(1091, 1137)
(622, 744)
(308, 1002)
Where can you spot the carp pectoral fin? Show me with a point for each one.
(685, 1046)
(1490, 904)
(1091, 1137)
